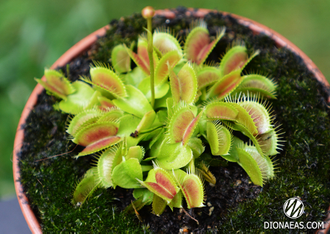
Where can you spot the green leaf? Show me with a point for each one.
(112, 115)
(196, 145)
(246, 132)
(176, 201)
(264, 162)
(269, 142)
(160, 90)
(219, 138)
(135, 103)
(77, 101)
(248, 163)
(121, 60)
(158, 205)
(127, 126)
(135, 152)
(86, 186)
(134, 77)
(233, 155)
(127, 174)
(174, 156)
(137, 205)
(105, 165)
(144, 193)
(147, 121)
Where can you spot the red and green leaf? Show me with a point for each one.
(83, 119)
(179, 123)
(191, 187)
(56, 84)
(198, 44)
(165, 42)
(236, 58)
(184, 85)
(161, 183)
(105, 103)
(226, 85)
(193, 191)
(221, 111)
(191, 128)
(96, 137)
(167, 62)
(243, 117)
(141, 59)
(259, 114)
(207, 76)
(254, 84)
(107, 81)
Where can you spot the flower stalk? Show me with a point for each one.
(147, 13)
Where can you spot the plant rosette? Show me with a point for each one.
(158, 124)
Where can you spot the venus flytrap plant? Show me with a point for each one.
(178, 108)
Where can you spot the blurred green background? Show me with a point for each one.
(34, 33)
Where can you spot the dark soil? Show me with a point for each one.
(234, 203)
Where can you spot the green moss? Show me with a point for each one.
(302, 167)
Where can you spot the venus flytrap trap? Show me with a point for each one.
(153, 126)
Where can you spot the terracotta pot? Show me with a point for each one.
(73, 52)
(86, 43)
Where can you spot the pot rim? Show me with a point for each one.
(86, 43)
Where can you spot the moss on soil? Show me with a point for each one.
(302, 167)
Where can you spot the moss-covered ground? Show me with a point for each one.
(303, 166)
